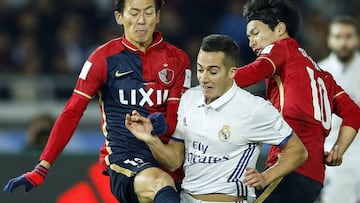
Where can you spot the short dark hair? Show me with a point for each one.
(271, 12)
(222, 43)
(345, 19)
(119, 5)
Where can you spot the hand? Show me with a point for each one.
(29, 179)
(254, 178)
(159, 123)
(139, 126)
(333, 158)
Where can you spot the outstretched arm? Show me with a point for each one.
(170, 155)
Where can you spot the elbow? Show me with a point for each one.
(173, 167)
(303, 156)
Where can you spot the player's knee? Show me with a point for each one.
(148, 182)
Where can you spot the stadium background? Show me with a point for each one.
(43, 44)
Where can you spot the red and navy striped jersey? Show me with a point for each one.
(125, 79)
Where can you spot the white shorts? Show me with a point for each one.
(186, 198)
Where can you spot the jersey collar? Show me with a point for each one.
(156, 41)
(221, 100)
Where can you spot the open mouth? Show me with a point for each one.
(206, 88)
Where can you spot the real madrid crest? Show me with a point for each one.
(224, 133)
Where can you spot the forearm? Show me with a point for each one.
(166, 154)
(293, 156)
(64, 128)
(253, 73)
(345, 138)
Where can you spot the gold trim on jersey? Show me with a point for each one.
(103, 115)
(173, 99)
(272, 63)
(268, 190)
(281, 91)
(82, 94)
(338, 94)
(119, 169)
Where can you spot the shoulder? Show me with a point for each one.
(279, 51)
(109, 48)
(248, 99)
(174, 50)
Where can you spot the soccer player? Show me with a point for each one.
(219, 132)
(344, 64)
(304, 94)
(136, 71)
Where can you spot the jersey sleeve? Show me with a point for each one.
(92, 76)
(271, 60)
(64, 127)
(268, 126)
(346, 109)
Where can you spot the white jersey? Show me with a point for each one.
(223, 138)
(343, 179)
(348, 77)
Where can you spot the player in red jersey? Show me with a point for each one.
(136, 71)
(304, 94)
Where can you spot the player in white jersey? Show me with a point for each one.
(342, 183)
(219, 132)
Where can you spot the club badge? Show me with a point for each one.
(224, 133)
(166, 75)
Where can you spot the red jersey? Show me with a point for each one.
(125, 79)
(305, 95)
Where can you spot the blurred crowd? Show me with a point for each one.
(56, 37)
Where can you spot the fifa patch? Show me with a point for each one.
(187, 81)
(166, 75)
(85, 70)
(224, 133)
(282, 127)
(267, 49)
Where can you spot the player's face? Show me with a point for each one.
(139, 20)
(343, 41)
(260, 35)
(214, 78)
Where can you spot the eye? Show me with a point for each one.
(133, 13)
(213, 71)
(149, 13)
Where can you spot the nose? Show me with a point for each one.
(202, 77)
(251, 42)
(141, 19)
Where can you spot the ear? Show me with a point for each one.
(158, 17)
(281, 29)
(232, 72)
(118, 17)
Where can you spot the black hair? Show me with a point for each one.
(119, 5)
(271, 12)
(222, 43)
(345, 19)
